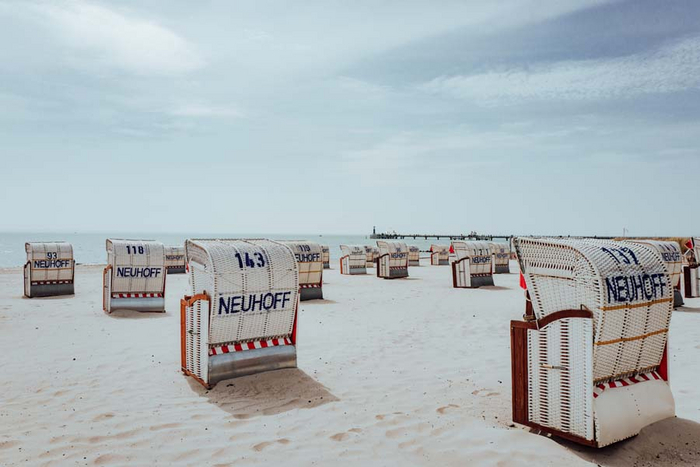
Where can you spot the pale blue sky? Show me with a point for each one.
(524, 117)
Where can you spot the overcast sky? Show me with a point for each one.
(529, 117)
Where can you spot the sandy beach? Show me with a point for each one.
(409, 372)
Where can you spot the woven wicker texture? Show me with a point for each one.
(625, 285)
(559, 376)
(174, 256)
(309, 257)
(50, 261)
(357, 257)
(138, 266)
(253, 285)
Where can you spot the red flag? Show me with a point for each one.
(452, 248)
(689, 244)
(523, 285)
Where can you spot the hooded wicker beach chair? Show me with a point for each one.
(392, 262)
(134, 278)
(326, 256)
(472, 266)
(354, 260)
(439, 255)
(501, 258)
(310, 261)
(413, 255)
(175, 259)
(589, 360)
(241, 316)
(49, 270)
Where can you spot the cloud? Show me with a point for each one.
(671, 68)
(112, 39)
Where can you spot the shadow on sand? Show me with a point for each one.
(686, 309)
(131, 314)
(673, 442)
(323, 301)
(268, 393)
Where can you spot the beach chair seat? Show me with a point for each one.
(589, 359)
(49, 270)
(501, 258)
(326, 256)
(310, 260)
(413, 255)
(354, 260)
(134, 278)
(175, 259)
(241, 315)
(439, 255)
(392, 262)
(472, 265)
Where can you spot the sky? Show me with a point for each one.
(502, 117)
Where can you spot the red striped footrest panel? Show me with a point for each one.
(218, 350)
(310, 286)
(137, 295)
(599, 388)
(50, 282)
(397, 267)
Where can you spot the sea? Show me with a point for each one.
(89, 248)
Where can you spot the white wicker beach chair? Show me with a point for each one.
(439, 255)
(589, 360)
(392, 262)
(326, 256)
(501, 258)
(670, 253)
(371, 254)
(310, 261)
(691, 268)
(49, 270)
(134, 278)
(413, 255)
(354, 260)
(175, 259)
(472, 266)
(241, 315)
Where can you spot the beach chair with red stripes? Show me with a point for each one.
(472, 266)
(241, 316)
(439, 255)
(500, 253)
(354, 260)
(309, 256)
(392, 262)
(589, 359)
(134, 278)
(49, 270)
(175, 259)
(326, 256)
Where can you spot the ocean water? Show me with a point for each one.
(89, 248)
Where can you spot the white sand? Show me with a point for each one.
(407, 372)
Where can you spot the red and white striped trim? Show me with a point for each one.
(598, 389)
(50, 282)
(398, 267)
(249, 346)
(137, 295)
(310, 286)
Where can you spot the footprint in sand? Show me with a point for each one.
(447, 408)
(260, 446)
(345, 435)
(103, 416)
